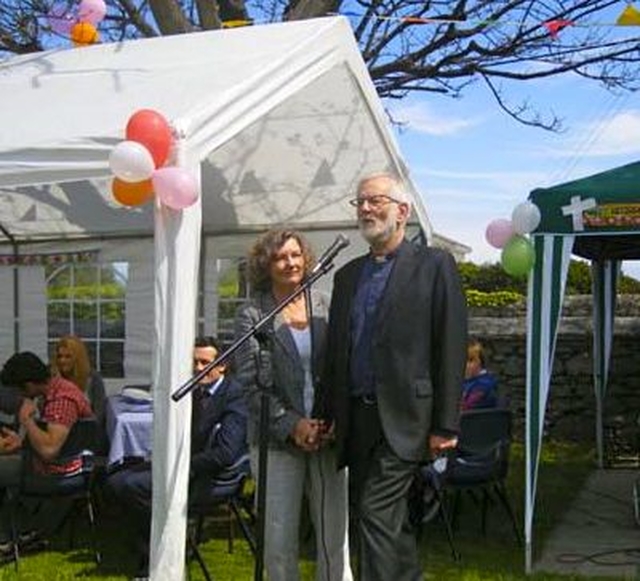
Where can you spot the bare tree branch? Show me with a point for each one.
(427, 46)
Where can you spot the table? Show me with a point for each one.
(129, 429)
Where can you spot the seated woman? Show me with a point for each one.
(480, 388)
(71, 361)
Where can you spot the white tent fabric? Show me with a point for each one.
(279, 122)
(283, 118)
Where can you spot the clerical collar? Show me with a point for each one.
(382, 258)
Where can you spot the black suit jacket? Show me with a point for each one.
(219, 430)
(418, 351)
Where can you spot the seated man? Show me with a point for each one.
(61, 405)
(218, 440)
(480, 388)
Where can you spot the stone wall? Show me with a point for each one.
(571, 405)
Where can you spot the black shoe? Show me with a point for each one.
(7, 552)
(28, 537)
(6, 549)
(32, 542)
(142, 571)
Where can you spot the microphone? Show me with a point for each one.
(338, 245)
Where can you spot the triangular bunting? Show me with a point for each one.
(630, 16)
(555, 26)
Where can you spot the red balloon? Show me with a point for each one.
(152, 130)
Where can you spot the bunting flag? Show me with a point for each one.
(236, 23)
(46, 259)
(555, 26)
(630, 16)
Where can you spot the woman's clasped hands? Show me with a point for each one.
(310, 434)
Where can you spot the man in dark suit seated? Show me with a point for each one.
(218, 440)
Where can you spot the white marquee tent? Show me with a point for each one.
(277, 121)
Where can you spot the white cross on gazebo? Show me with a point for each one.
(575, 210)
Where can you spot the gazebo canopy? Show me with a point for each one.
(597, 218)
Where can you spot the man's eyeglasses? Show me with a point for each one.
(376, 201)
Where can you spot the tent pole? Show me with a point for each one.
(599, 427)
(16, 289)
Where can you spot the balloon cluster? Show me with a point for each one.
(137, 164)
(81, 26)
(518, 255)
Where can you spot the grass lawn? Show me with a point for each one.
(496, 556)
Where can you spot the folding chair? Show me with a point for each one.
(79, 444)
(481, 462)
(228, 489)
(427, 500)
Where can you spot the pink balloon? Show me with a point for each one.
(498, 232)
(59, 20)
(92, 11)
(175, 187)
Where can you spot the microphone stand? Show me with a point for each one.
(258, 330)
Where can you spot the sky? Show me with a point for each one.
(473, 163)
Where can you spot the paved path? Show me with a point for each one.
(598, 535)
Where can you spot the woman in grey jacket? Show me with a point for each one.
(300, 459)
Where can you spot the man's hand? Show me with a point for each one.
(327, 432)
(306, 434)
(438, 444)
(28, 410)
(10, 441)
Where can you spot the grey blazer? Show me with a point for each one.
(419, 350)
(286, 375)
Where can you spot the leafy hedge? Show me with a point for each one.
(488, 285)
(476, 298)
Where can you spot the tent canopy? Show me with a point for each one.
(283, 120)
(604, 209)
(598, 218)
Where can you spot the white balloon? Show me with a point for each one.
(131, 162)
(525, 218)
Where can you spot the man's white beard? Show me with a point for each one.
(374, 234)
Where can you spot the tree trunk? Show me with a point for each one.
(170, 17)
(303, 9)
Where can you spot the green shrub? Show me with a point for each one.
(491, 278)
(476, 298)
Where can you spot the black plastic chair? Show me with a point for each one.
(228, 490)
(480, 464)
(80, 444)
(427, 500)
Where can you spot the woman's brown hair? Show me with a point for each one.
(266, 247)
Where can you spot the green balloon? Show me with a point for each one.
(518, 256)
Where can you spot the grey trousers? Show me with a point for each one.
(379, 485)
(290, 475)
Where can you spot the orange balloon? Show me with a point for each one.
(84, 34)
(132, 193)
